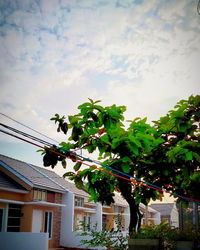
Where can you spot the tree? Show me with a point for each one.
(180, 152)
(165, 154)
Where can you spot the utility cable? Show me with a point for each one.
(28, 127)
(102, 170)
(27, 135)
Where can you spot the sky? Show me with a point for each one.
(55, 54)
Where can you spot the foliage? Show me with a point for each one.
(113, 238)
(167, 235)
(152, 232)
(165, 153)
(180, 157)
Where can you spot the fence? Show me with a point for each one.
(189, 216)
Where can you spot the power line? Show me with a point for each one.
(27, 135)
(28, 127)
(130, 179)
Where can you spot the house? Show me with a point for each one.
(37, 200)
(168, 212)
(29, 200)
(150, 215)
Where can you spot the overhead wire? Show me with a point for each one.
(27, 135)
(27, 127)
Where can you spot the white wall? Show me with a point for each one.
(157, 218)
(67, 219)
(174, 217)
(23, 241)
(97, 217)
(127, 218)
(69, 238)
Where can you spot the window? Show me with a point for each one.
(48, 223)
(87, 222)
(1, 219)
(116, 209)
(79, 201)
(40, 195)
(104, 221)
(14, 215)
(78, 222)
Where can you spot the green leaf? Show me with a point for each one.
(90, 148)
(64, 127)
(188, 156)
(78, 183)
(94, 117)
(99, 108)
(84, 172)
(77, 166)
(166, 172)
(93, 194)
(68, 174)
(196, 156)
(138, 200)
(135, 150)
(97, 101)
(125, 159)
(135, 140)
(125, 168)
(164, 119)
(41, 150)
(92, 102)
(64, 163)
(76, 132)
(73, 119)
(66, 146)
(105, 139)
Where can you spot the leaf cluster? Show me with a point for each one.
(113, 238)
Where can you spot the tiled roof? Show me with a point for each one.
(68, 185)
(48, 179)
(7, 183)
(34, 174)
(38, 180)
(164, 208)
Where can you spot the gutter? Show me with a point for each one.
(40, 203)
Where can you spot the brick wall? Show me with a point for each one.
(57, 221)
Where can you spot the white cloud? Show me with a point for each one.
(53, 54)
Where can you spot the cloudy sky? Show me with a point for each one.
(57, 53)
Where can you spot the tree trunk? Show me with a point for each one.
(134, 218)
(135, 215)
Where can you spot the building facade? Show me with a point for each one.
(37, 200)
(29, 201)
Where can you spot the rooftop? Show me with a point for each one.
(164, 208)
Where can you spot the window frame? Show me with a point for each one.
(39, 194)
(116, 209)
(2, 226)
(87, 222)
(79, 201)
(48, 225)
(14, 219)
